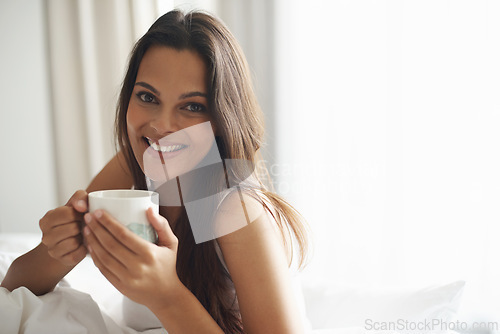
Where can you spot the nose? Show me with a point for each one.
(165, 123)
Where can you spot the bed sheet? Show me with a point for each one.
(85, 302)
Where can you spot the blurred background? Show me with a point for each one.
(382, 124)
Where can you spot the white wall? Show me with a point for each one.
(27, 172)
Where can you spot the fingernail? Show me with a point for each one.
(86, 230)
(98, 213)
(87, 218)
(81, 203)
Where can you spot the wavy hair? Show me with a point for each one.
(239, 120)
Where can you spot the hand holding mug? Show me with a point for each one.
(139, 269)
(61, 230)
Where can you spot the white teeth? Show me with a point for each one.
(165, 149)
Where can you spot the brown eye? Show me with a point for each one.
(195, 107)
(146, 97)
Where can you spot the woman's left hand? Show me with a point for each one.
(141, 270)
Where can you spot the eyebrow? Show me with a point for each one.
(181, 97)
(148, 86)
(192, 94)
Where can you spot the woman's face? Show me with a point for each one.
(168, 113)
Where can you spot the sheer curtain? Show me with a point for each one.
(88, 42)
(69, 58)
(387, 115)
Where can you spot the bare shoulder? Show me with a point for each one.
(246, 215)
(115, 175)
(257, 261)
(253, 233)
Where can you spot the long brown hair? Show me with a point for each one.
(239, 121)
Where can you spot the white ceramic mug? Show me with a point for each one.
(129, 208)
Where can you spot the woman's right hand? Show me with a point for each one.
(62, 230)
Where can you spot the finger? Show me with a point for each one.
(106, 262)
(79, 201)
(59, 216)
(98, 237)
(166, 236)
(75, 256)
(61, 232)
(110, 276)
(114, 240)
(65, 247)
(121, 233)
(67, 230)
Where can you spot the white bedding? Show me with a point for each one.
(64, 310)
(85, 302)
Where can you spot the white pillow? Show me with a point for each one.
(333, 306)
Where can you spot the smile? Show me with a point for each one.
(165, 149)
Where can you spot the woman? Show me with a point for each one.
(187, 70)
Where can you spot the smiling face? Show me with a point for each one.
(168, 111)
